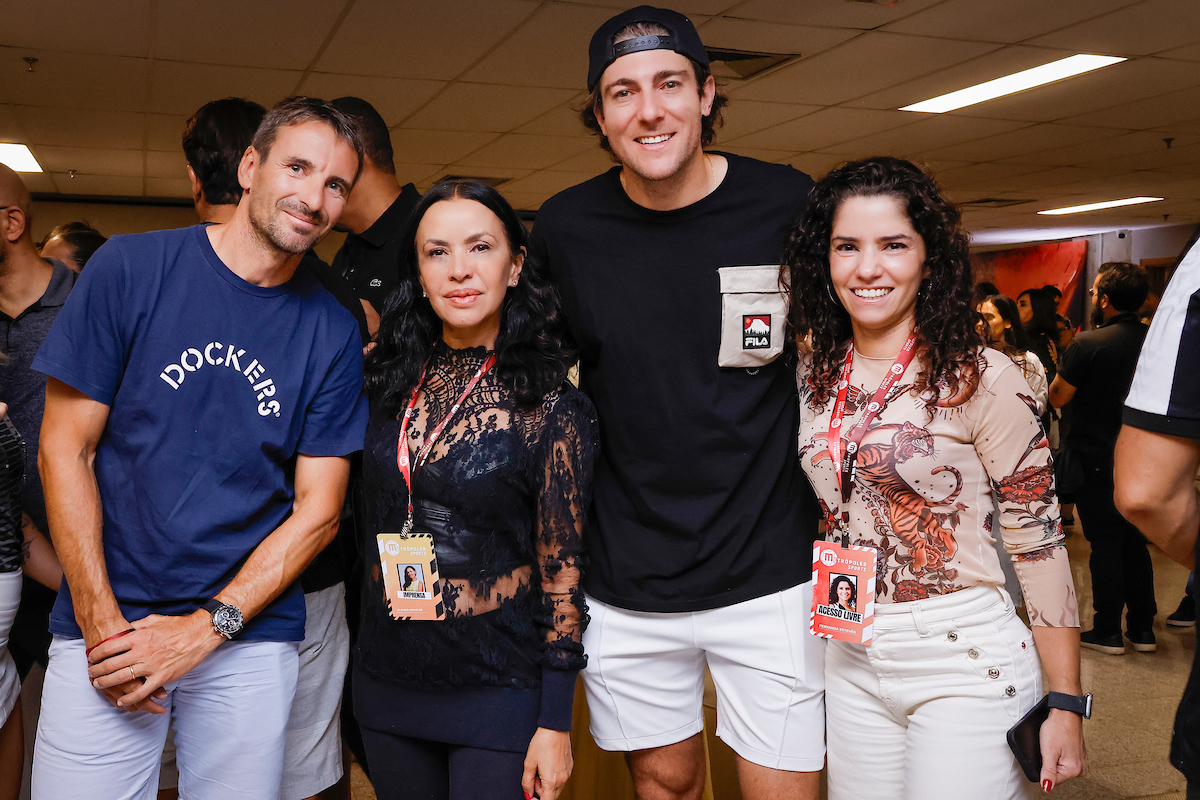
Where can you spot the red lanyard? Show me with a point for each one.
(409, 471)
(845, 462)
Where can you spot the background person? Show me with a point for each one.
(477, 705)
(878, 260)
(72, 243)
(1095, 377)
(1006, 334)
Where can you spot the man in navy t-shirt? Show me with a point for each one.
(203, 398)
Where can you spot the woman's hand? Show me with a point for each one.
(1064, 755)
(547, 764)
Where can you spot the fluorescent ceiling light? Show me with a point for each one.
(1017, 82)
(18, 158)
(1128, 201)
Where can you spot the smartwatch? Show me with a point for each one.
(226, 619)
(1069, 702)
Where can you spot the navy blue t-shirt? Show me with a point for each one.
(213, 385)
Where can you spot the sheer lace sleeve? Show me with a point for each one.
(568, 451)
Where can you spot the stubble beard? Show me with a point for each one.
(688, 154)
(273, 230)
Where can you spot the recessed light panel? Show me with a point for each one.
(1017, 82)
(1128, 201)
(18, 158)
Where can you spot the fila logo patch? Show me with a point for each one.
(756, 331)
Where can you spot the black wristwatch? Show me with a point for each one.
(226, 619)
(1069, 702)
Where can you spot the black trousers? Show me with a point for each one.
(403, 768)
(1122, 574)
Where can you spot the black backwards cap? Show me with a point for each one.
(683, 39)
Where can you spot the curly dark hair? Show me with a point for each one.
(593, 102)
(949, 344)
(532, 354)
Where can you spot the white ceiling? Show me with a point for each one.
(485, 87)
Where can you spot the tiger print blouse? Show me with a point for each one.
(926, 490)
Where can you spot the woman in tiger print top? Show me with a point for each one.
(922, 710)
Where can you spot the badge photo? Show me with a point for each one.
(410, 576)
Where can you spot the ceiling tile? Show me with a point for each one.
(166, 164)
(115, 27)
(419, 39)
(832, 13)
(695, 9)
(1180, 160)
(1104, 152)
(168, 187)
(823, 128)
(164, 132)
(817, 164)
(262, 33)
(485, 107)
(1189, 53)
(90, 160)
(1151, 112)
(526, 151)
(764, 37)
(1139, 29)
(1031, 139)
(977, 174)
(416, 173)
(10, 128)
(545, 183)
(743, 117)
(549, 50)
(561, 121)
(393, 98)
(179, 88)
(73, 80)
(435, 147)
(39, 182)
(68, 127)
(592, 161)
(920, 137)
(1011, 21)
(98, 184)
(861, 66)
(508, 173)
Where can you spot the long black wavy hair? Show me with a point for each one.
(532, 354)
(949, 344)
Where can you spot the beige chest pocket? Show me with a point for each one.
(752, 316)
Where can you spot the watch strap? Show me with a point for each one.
(212, 606)
(1070, 702)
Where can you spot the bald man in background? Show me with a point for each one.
(32, 290)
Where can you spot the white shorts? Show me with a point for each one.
(922, 711)
(645, 678)
(312, 758)
(228, 713)
(10, 684)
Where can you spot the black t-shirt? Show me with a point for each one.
(1100, 365)
(699, 498)
(370, 260)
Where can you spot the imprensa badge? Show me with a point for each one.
(410, 576)
(756, 331)
(843, 588)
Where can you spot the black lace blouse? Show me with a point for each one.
(505, 492)
(12, 468)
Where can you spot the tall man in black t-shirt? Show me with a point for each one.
(1094, 376)
(375, 215)
(701, 531)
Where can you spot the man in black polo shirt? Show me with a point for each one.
(700, 537)
(1157, 458)
(1095, 375)
(375, 214)
(32, 290)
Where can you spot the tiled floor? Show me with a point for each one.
(1136, 694)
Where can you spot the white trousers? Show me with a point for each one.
(228, 713)
(921, 713)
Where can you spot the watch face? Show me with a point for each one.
(227, 620)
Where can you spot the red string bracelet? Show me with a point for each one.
(87, 653)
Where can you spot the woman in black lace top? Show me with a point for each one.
(477, 704)
(12, 469)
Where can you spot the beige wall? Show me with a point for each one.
(112, 218)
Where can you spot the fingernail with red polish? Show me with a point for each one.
(1047, 785)
(527, 797)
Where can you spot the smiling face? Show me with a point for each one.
(996, 323)
(650, 109)
(843, 592)
(876, 263)
(299, 187)
(466, 265)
